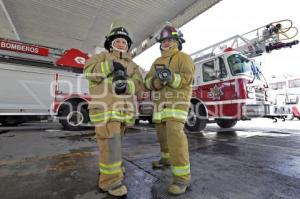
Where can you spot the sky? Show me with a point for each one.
(231, 17)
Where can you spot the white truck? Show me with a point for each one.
(285, 96)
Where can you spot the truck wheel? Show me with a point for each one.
(195, 123)
(226, 123)
(74, 120)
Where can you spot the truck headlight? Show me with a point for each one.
(251, 95)
(250, 89)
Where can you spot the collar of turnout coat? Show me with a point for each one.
(169, 52)
(120, 55)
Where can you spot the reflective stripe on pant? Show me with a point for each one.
(168, 113)
(109, 142)
(178, 149)
(162, 139)
(112, 115)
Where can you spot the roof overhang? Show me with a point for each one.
(84, 24)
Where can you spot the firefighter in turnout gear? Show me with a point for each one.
(170, 79)
(114, 79)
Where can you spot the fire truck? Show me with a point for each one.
(38, 82)
(229, 85)
(42, 82)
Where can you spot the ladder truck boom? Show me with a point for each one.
(264, 39)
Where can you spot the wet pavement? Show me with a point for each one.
(250, 161)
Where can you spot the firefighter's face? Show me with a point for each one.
(120, 44)
(167, 43)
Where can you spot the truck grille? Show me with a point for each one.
(260, 96)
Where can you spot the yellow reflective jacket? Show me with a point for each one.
(173, 100)
(105, 105)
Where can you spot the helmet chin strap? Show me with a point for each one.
(117, 49)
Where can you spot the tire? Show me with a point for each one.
(194, 123)
(298, 118)
(226, 123)
(74, 120)
(292, 117)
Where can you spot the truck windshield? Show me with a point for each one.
(240, 65)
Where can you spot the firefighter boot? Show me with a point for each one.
(160, 164)
(120, 190)
(177, 188)
(179, 157)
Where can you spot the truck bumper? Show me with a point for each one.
(263, 110)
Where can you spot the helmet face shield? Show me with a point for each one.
(170, 32)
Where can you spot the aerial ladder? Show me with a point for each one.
(273, 36)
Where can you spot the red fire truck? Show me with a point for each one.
(228, 84)
(39, 81)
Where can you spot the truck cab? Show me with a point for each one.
(227, 87)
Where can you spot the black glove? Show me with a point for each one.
(119, 81)
(120, 87)
(165, 75)
(118, 66)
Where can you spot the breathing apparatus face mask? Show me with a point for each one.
(114, 45)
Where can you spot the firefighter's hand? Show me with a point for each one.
(157, 84)
(165, 75)
(120, 87)
(127, 87)
(118, 66)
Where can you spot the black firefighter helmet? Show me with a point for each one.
(170, 32)
(119, 32)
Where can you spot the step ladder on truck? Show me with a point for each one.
(38, 82)
(229, 85)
